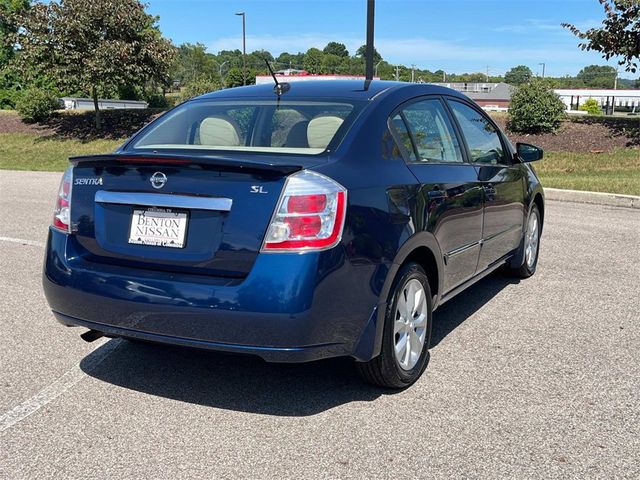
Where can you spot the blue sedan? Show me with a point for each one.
(328, 218)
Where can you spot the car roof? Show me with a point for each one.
(343, 89)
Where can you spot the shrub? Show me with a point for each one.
(157, 100)
(36, 104)
(535, 108)
(8, 98)
(591, 107)
(196, 88)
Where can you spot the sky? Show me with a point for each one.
(456, 36)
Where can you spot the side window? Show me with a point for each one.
(398, 125)
(482, 137)
(432, 132)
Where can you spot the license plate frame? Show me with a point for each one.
(157, 222)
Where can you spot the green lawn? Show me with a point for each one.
(613, 172)
(28, 151)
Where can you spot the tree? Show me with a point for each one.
(9, 9)
(518, 75)
(335, 48)
(313, 60)
(535, 108)
(234, 78)
(596, 76)
(362, 52)
(619, 34)
(331, 63)
(94, 46)
(193, 63)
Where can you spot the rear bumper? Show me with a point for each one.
(291, 307)
(270, 354)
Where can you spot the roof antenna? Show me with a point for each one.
(371, 8)
(279, 88)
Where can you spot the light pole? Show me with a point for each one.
(220, 68)
(544, 65)
(244, 49)
(376, 69)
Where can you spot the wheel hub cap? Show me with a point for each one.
(532, 237)
(410, 325)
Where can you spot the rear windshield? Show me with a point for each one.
(297, 127)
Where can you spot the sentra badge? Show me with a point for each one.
(88, 181)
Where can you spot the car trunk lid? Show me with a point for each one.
(201, 215)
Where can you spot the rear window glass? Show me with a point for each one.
(299, 127)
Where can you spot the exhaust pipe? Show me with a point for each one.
(91, 336)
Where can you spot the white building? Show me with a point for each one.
(261, 79)
(72, 103)
(609, 100)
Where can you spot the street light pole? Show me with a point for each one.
(244, 49)
(220, 68)
(376, 69)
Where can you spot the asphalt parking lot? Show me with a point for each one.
(539, 378)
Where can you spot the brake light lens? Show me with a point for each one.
(309, 216)
(62, 210)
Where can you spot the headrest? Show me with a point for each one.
(322, 129)
(219, 131)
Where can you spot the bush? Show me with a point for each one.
(535, 108)
(8, 98)
(157, 100)
(199, 87)
(36, 104)
(591, 107)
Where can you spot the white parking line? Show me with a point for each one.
(60, 386)
(22, 241)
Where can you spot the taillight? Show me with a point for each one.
(62, 211)
(309, 215)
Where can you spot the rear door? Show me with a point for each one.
(450, 192)
(502, 183)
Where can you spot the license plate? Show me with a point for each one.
(160, 227)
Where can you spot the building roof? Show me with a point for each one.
(482, 91)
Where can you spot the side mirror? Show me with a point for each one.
(529, 153)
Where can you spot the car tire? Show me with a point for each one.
(530, 245)
(406, 322)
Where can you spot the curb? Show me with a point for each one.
(594, 198)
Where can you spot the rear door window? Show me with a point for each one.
(428, 132)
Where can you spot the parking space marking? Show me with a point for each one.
(103, 349)
(22, 241)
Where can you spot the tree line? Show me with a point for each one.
(114, 49)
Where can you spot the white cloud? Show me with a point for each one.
(528, 26)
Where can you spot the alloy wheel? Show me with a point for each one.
(410, 325)
(533, 235)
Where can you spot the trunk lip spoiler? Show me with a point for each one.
(183, 159)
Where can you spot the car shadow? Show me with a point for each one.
(248, 384)
(232, 382)
(453, 313)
